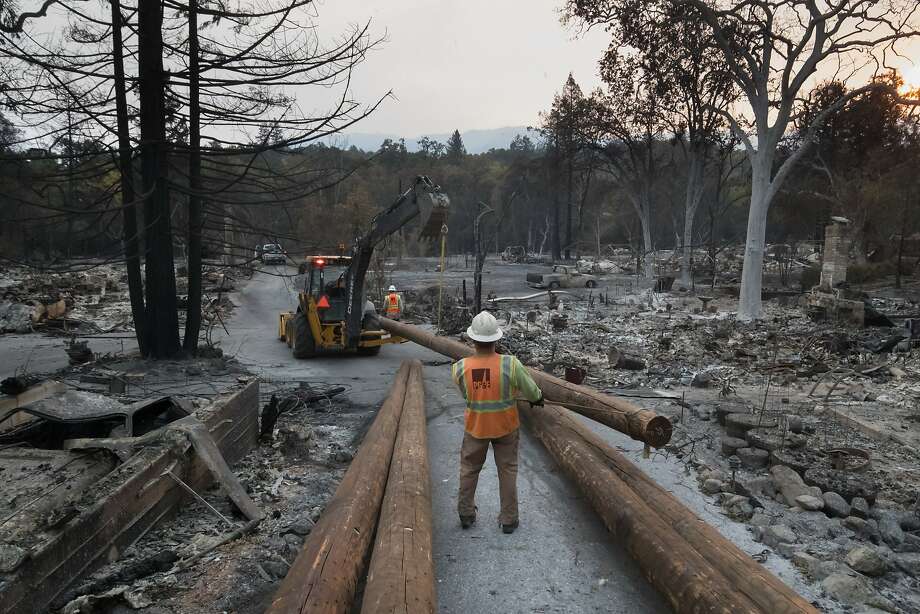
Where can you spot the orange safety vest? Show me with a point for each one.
(485, 381)
(392, 303)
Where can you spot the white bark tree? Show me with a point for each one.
(775, 51)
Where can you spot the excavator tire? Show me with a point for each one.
(302, 345)
(370, 351)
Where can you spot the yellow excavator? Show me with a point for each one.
(332, 313)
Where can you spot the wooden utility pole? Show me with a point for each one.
(326, 573)
(401, 576)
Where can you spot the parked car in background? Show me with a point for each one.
(273, 254)
(561, 277)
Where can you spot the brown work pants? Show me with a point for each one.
(473, 457)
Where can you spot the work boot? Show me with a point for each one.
(467, 521)
(508, 529)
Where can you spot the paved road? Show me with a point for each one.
(560, 560)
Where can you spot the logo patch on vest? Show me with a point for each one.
(482, 379)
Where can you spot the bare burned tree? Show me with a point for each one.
(228, 82)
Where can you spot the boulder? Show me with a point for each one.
(788, 483)
(866, 561)
(846, 483)
(737, 425)
(890, 529)
(778, 534)
(772, 439)
(809, 503)
(711, 486)
(835, 506)
(859, 507)
(753, 458)
(854, 589)
(731, 445)
(11, 557)
(908, 562)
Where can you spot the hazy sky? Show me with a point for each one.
(463, 64)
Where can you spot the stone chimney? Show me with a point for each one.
(836, 249)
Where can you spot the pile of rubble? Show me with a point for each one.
(93, 300)
(805, 431)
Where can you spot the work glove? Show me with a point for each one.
(537, 403)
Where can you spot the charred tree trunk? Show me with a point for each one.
(195, 217)
(128, 195)
(480, 258)
(162, 326)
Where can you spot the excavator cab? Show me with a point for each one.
(332, 314)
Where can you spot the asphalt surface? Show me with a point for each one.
(561, 559)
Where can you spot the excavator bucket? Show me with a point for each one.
(433, 208)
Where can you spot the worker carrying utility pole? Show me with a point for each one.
(489, 383)
(393, 304)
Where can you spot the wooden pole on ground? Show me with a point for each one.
(401, 576)
(325, 574)
(677, 551)
(688, 582)
(640, 424)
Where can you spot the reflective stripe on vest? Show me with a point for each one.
(392, 303)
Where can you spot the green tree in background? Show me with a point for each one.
(455, 148)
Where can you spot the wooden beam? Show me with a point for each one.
(630, 502)
(640, 424)
(327, 570)
(401, 576)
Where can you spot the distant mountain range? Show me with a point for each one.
(475, 141)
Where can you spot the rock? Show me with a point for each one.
(778, 534)
(827, 568)
(805, 562)
(854, 589)
(908, 562)
(343, 456)
(788, 483)
(704, 412)
(761, 486)
(866, 561)
(277, 569)
(753, 458)
(786, 549)
(11, 557)
(711, 486)
(760, 520)
(703, 379)
(846, 483)
(739, 508)
(294, 541)
(809, 503)
(835, 506)
(794, 423)
(731, 445)
(859, 507)
(737, 425)
(890, 529)
(301, 527)
(910, 522)
(772, 439)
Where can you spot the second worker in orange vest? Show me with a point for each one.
(489, 383)
(393, 304)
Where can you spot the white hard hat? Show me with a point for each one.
(391, 289)
(484, 328)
